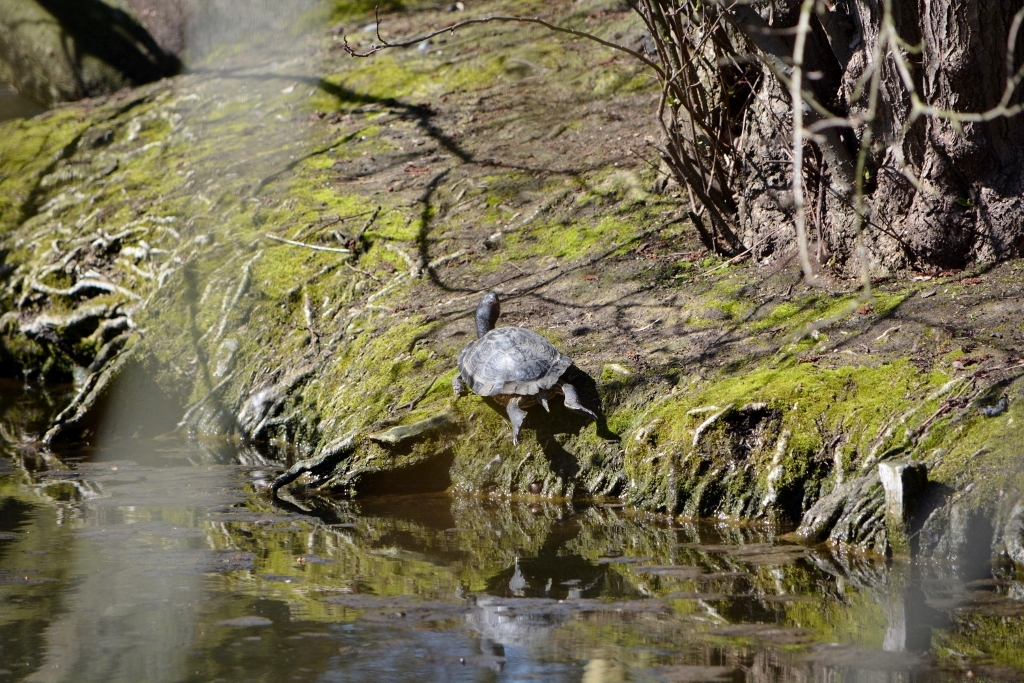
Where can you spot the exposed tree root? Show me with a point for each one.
(71, 417)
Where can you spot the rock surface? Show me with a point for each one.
(55, 51)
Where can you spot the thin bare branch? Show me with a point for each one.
(384, 45)
(314, 247)
(800, 214)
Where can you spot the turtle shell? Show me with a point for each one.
(511, 360)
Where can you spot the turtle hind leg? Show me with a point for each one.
(516, 415)
(572, 402)
(542, 396)
(458, 385)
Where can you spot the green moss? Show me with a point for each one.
(981, 450)
(993, 638)
(796, 314)
(778, 315)
(885, 303)
(347, 10)
(732, 309)
(568, 241)
(812, 405)
(373, 373)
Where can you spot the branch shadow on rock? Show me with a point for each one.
(114, 37)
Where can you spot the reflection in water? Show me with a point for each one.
(155, 560)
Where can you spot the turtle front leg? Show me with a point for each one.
(572, 402)
(516, 415)
(458, 385)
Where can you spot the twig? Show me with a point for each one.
(307, 309)
(333, 221)
(395, 281)
(498, 18)
(82, 285)
(411, 405)
(414, 269)
(708, 422)
(647, 327)
(884, 335)
(366, 226)
(307, 246)
(441, 260)
(701, 411)
(738, 257)
(363, 272)
(795, 96)
(140, 272)
(229, 305)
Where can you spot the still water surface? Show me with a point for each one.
(159, 560)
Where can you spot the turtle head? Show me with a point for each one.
(487, 314)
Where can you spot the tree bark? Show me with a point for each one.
(965, 206)
(937, 194)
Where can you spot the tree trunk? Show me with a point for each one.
(937, 194)
(967, 205)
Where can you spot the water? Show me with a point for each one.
(161, 560)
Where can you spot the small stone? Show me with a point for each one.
(536, 487)
(98, 138)
(996, 410)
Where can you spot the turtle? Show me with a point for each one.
(515, 366)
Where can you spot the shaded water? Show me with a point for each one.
(14, 106)
(158, 560)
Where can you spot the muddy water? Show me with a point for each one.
(14, 106)
(159, 560)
